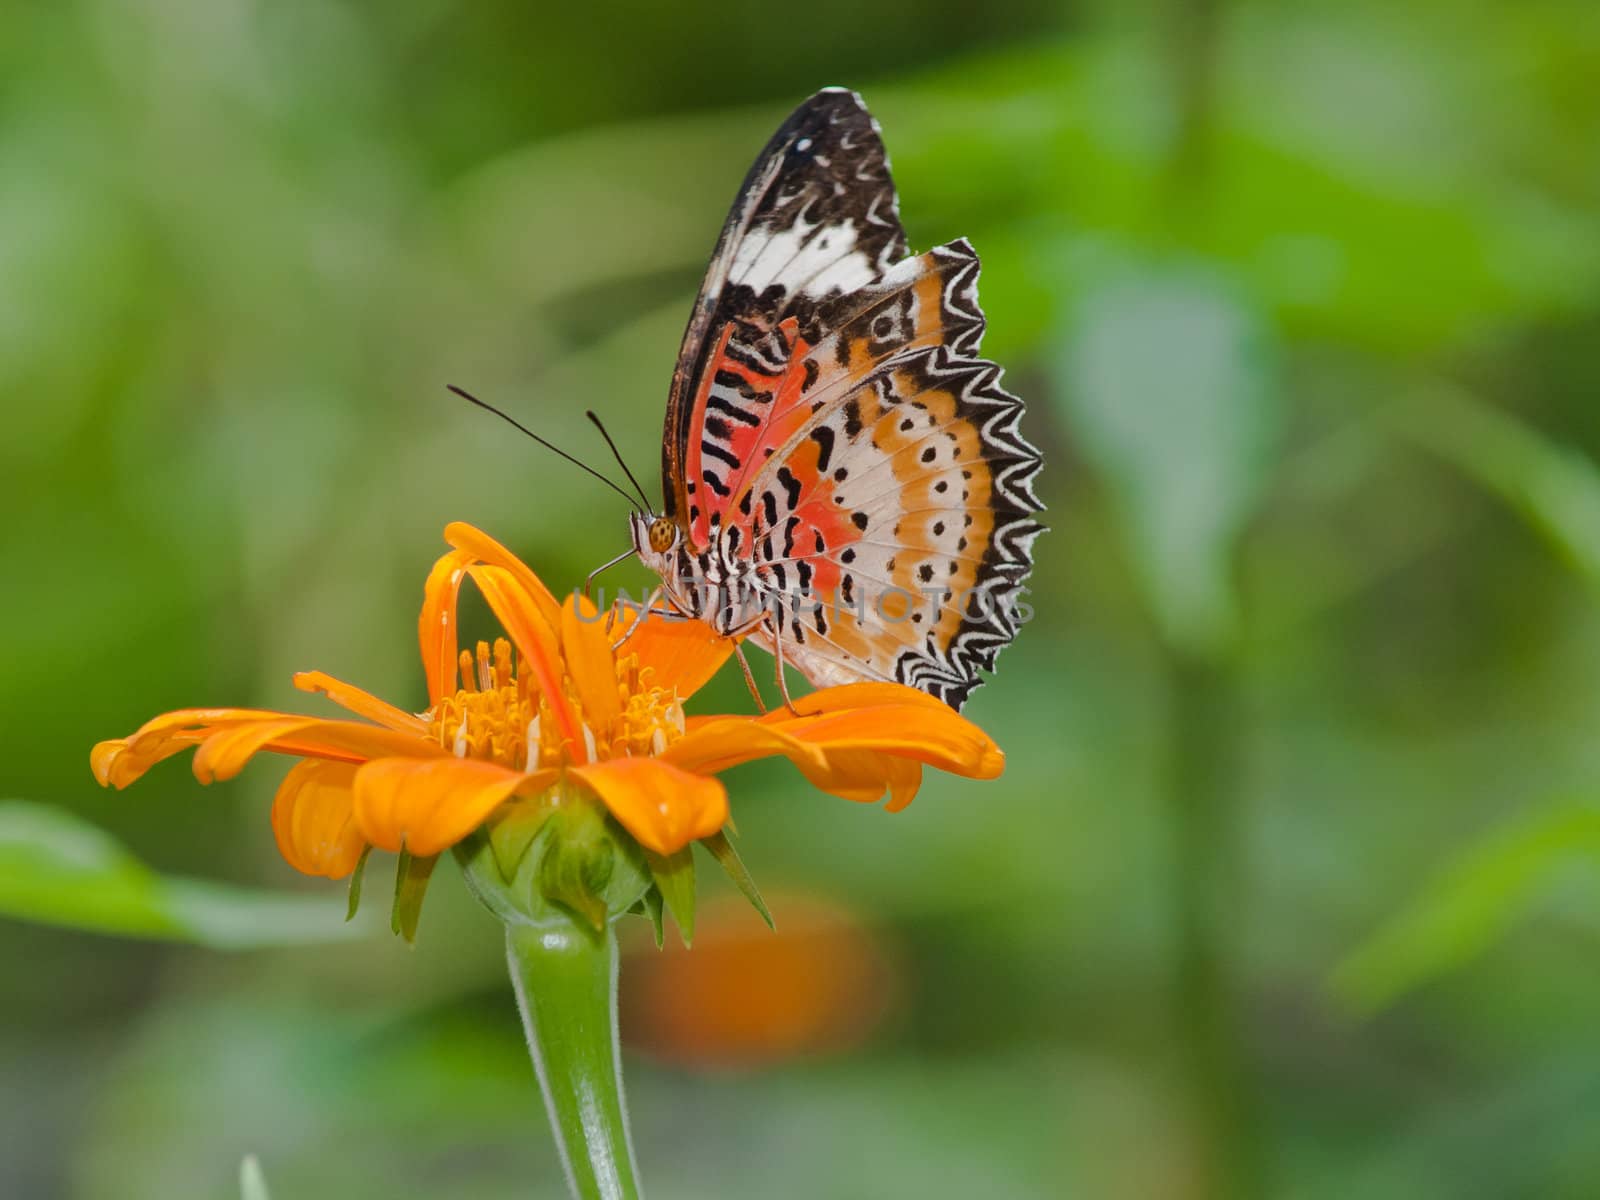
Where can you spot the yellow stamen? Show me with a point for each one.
(491, 721)
(500, 716)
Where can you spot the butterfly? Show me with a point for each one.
(845, 484)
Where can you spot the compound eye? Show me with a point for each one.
(662, 534)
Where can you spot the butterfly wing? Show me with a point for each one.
(903, 500)
(815, 220)
(830, 412)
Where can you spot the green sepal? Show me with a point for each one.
(513, 831)
(674, 876)
(630, 875)
(728, 858)
(553, 860)
(410, 886)
(356, 877)
(649, 905)
(576, 865)
(589, 865)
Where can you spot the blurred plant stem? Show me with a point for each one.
(566, 983)
(1207, 866)
(1203, 731)
(1191, 33)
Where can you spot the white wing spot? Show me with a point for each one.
(849, 273)
(801, 259)
(760, 258)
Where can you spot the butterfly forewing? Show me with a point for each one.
(816, 219)
(834, 438)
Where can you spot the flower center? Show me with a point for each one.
(652, 718)
(499, 715)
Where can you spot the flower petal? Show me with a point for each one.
(722, 742)
(362, 703)
(436, 624)
(663, 807)
(937, 736)
(471, 540)
(519, 611)
(590, 663)
(201, 719)
(119, 762)
(313, 819)
(846, 697)
(856, 753)
(851, 772)
(429, 806)
(905, 780)
(863, 775)
(224, 753)
(682, 654)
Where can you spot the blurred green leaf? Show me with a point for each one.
(1168, 380)
(59, 870)
(252, 1183)
(1466, 908)
(1556, 488)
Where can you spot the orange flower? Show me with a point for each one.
(567, 708)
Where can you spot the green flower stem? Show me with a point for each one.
(566, 983)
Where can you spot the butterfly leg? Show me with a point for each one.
(661, 614)
(749, 677)
(777, 658)
(638, 620)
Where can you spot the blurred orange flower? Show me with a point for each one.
(748, 997)
(567, 707)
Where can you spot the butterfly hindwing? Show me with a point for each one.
(905, 503)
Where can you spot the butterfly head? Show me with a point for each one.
(654, 536)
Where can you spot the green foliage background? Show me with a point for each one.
(1290, 888)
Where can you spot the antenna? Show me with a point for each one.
(471, 399)
(617, 454)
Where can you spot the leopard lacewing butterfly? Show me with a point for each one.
(845, 482)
